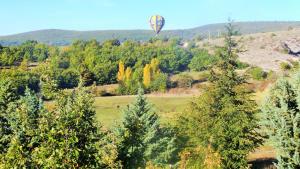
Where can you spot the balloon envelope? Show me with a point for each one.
(157, 23)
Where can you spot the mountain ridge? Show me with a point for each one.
(62, 37)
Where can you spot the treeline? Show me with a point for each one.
(98, 63)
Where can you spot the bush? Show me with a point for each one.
(273, 35)
(203, 76)
(185, 81)
(242, 65)
(201, 60)
(200, 157)
(68, 79)
(285, 66)
(257, 73)
(159, 83)
(295, 64)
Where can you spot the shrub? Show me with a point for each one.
(295, 64)
(203, 76)
(185, 81)
(285, 51)
(242, 65)
(285, 66)
(273, 35)
(68, 79)
(199, 157)
(159, 83)
(251, 38)
(201, 60)
(258, 73)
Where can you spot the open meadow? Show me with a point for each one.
(109, 109)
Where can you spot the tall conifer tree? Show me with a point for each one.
(142, 138)
(224, 116)
(23, 120)
(7, 96)
(72, 141)
(281, 112)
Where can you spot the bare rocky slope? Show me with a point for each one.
(266, 50)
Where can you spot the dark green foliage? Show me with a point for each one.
(7, 57)
(76, 133)
(23, 120)
(285, 66)
(131, 86)
(159, 83)
(21, 79)
(7, 96)
(72, 141)
(99, 62)
(224, 116)
(173, 60)
(30, 50)
(281, 116)
(202, 60)
(67, 137)
(68, 79)
(48, 87)
(257, 73)
(241, 65)
(185, 81)
(142, 139)
(95, 62)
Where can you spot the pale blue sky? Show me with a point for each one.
(27, 15)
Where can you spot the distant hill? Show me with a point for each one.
(65, 37)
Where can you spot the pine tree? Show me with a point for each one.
(142, 138)
(281, 114)
(49, 88)
(7, 96)
(23, 120)
(224, 116)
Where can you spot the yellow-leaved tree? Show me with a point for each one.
(147, 75)
(128, 73)
(154, 67)
(121, 72)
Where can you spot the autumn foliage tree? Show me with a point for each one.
(153, 78)
(121, 72)
(147, 75)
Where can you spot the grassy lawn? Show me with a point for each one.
(108, 109)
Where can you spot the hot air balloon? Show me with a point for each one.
(157, 23)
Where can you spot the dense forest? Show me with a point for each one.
(218, 129)
(32, 63)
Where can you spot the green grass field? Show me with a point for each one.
(109, 109)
